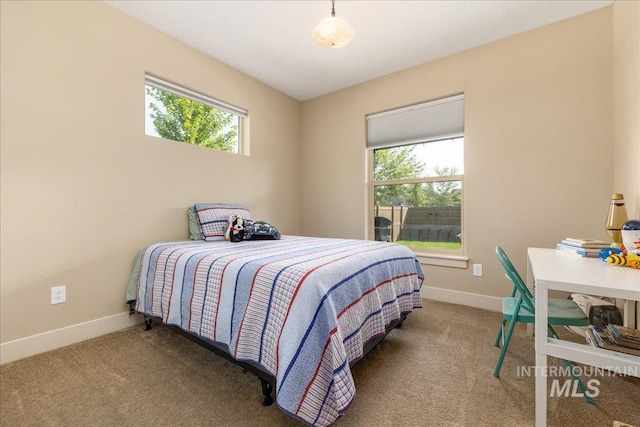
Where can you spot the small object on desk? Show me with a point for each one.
(588, 252)
(586, 242)
(616, 216)
(605, 253)
(629, 260)
(630, 231)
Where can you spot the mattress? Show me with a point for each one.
(300, 308)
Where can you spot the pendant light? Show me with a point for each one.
(333, 32)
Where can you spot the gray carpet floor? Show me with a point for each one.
(436, 370)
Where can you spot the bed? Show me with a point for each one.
(298, 312)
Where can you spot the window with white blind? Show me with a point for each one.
(179, 114)
(417, 174)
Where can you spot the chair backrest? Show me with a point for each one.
(512, 274)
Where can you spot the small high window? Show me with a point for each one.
(180, 114)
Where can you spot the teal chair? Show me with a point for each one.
(520, 307)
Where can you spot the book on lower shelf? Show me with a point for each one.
(628, 337)
(602, 338)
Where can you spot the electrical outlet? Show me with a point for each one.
(58, 294)
(477, 270)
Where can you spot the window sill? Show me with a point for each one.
(454, 261)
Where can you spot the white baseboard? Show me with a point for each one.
(463, 298)
(630, 318)
(29, 346)
(47, 341)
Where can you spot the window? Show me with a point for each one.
(180, 114)
(417, 175)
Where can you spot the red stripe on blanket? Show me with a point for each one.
(293, 297)
(251, 291)
(153, 283)
(173, 279)
(193, 290)
(374, 289)
(315, 374)
(334, 330)
(270, 250)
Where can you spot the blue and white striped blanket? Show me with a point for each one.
(299, 307)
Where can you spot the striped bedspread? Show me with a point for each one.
(300, 307)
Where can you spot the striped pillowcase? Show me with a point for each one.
(214, 217)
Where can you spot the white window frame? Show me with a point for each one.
(167, 86)
(450, 123)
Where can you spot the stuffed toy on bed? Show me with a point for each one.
(236, 229)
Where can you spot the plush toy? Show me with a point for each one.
(607, 252)
(236, 229)
(630, 260)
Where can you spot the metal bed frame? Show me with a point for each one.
(267, 380)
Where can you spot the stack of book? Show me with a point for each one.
(616, 338)
(582, 246)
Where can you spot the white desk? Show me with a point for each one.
(553, 269)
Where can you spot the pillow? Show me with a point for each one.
(213, 218)
(194, 225)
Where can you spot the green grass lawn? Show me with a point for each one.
(448, 246)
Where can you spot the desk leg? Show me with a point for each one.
(541, 334)
(541, 390)
(530, 285)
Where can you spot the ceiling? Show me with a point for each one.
(271, 40)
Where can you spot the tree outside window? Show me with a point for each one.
(417, 189)
(180, 114)
(181, 119)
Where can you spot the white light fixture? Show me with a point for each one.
(333, 32)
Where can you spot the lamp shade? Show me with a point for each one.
(333, 32)
(615, 218)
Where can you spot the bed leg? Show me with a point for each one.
(267, 388)
(147, 322)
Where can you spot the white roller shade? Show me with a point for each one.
(187, 93)
(439, 119)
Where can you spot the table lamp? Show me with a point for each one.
(616, 217)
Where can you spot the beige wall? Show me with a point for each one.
(83, 188)
(626, 103)
(538, 144)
